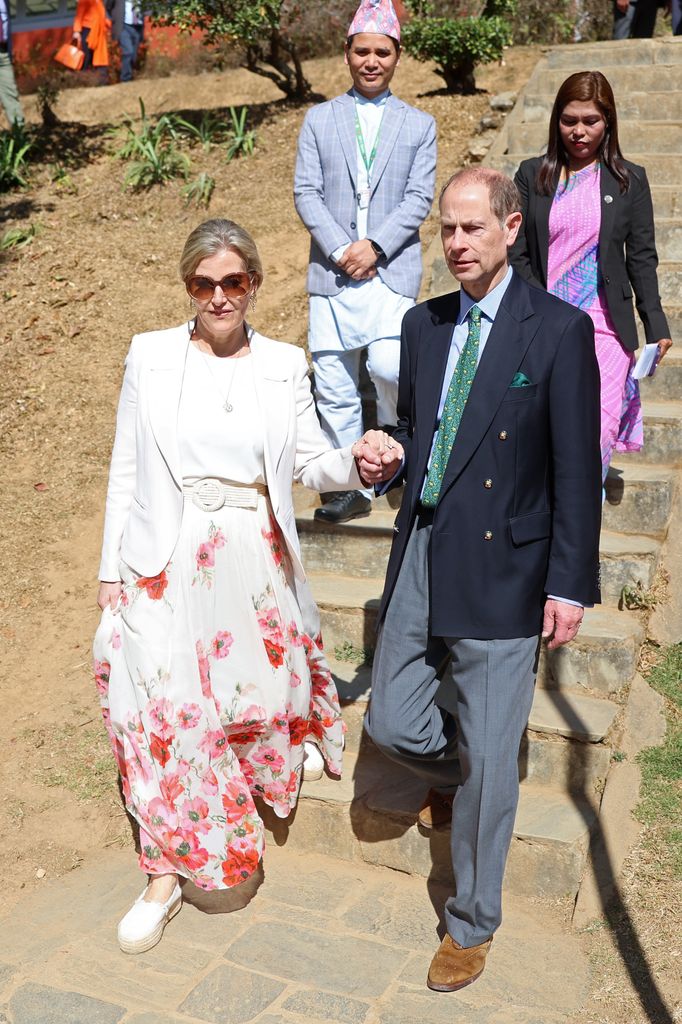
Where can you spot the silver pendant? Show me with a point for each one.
(228, 407)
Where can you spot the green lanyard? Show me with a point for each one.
(361, 144)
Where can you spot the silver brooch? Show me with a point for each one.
(608, 199)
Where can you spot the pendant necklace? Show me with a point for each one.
(226, 404)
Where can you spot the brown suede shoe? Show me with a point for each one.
(454, 967)
(436, 809)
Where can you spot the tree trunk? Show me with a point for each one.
(459, 77)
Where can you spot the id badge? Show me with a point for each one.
(363, 198)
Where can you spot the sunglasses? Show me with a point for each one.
(233, 286)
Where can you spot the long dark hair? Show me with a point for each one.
(583, 87)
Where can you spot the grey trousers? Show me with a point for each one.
(9, 96)
(454, 711)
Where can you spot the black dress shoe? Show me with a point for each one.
(346, 505)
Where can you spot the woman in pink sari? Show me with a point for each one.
(588, 237)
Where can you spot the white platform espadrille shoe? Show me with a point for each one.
(142, 927)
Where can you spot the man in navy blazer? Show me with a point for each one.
(365, 176)
(507, 551)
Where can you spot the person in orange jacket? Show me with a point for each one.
(90, 27)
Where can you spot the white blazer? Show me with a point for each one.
(145, 500)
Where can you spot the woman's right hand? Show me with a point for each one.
(76, 39)
(109, 595)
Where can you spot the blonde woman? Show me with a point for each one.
(207, 658)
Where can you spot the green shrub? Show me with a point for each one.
(152, 151)
(14, 147)
(199, 191)
(240, 141)
(17, 238)
(257, 29)
(457, 45)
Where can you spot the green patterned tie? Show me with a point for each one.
(455, 400)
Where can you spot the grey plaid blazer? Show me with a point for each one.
(402, 182)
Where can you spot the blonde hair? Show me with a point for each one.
(217, 235)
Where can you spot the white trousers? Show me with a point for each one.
(337, 390)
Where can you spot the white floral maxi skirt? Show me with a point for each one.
(209, 686)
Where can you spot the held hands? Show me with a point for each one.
(359, 259)
(377, 456)
(561, 623)
(109, 594)
(664, 345)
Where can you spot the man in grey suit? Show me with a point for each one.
(364, 182)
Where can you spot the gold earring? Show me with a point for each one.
(253, 300)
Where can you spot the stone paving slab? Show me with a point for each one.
(310, 940)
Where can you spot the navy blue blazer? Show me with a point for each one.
(627, 248)
(519, 512)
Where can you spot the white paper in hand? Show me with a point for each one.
(646, 364)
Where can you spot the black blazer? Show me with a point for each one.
(627, 248)
(520, 506)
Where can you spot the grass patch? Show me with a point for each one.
(80, 760)
(660, 805)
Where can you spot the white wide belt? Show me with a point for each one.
(210, 494)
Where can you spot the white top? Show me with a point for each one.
(213, 442)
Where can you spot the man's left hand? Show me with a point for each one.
(561, 623)
(359, 260)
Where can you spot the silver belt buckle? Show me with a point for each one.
(208, 494)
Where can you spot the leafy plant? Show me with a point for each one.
(62, 179)
(457, 45)
(208, 132)
(348, 651)
(14, 147)
(199, 191)
(47, 95)
(151, 149)
(258, 29)
(636, 597)
(17, 238)
(241, 142)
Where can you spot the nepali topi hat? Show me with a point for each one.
(376, 16)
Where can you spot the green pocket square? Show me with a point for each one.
(520, 380)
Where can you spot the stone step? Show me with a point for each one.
(359, 548)
(626, 560)
(371, 816)
(669, 237)
(639, 498)
(670, 282)
(623, 79)
(667, 201)
(661, 169)
(632, 106)
(663, 137)
(566, 745)
(662, 433)
(666, 383)
(615, 53)
(603, 658)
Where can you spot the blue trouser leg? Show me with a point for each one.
(131, 37)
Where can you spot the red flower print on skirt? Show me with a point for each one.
(240, 863)
(275, 652)
(160, 749)
(154, 585)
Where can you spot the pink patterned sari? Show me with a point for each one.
(573, 275)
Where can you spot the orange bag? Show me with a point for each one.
(70, 56)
